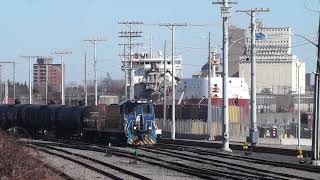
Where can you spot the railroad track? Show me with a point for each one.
(203, 151)
(235, 171)
(245, 169)
(204, 173)
(236, 145)
(61, 153)
(56, 171)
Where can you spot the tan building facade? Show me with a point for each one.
(278, 71)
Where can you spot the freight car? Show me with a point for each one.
(61, 120)
(132, 121)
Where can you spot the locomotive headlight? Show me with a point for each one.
(134, 128)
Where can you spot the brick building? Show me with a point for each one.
(54, 75)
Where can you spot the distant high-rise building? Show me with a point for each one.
(54, 74)
(277, 68)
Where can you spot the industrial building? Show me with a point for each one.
(278, 71)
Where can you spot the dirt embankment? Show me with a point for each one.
(20, 162)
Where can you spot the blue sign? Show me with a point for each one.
(260, 36)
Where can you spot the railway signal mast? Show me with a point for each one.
(130, 35)
(225, 14)
(254, 134)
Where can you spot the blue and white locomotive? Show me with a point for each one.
(132, 121)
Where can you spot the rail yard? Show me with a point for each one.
(167, 160)
(208, 97)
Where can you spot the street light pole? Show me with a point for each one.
(172, 26)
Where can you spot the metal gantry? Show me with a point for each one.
(30, 67)
(172, 27)
(94, 40)
(254, 134)
(62, 53)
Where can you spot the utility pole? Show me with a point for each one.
(125, 63)
(1, 95)
(14, 83)
(225, 14)
(94, 41)
(165, 82)
(124, 68)
(46, 81)
(209, 117)
(316, 109)
(172, 27)
(30, 85)
(6, 88)
(254, 134)
(130, 35)
(62, 53)
(85, 79)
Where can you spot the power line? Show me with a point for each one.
(129, 34)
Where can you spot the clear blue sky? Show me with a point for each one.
(35, 27)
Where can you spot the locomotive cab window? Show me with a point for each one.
(147, 109)
(139, 109)
(130, 108)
